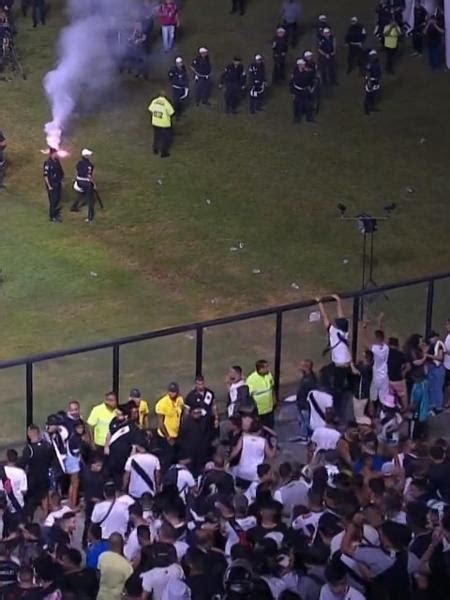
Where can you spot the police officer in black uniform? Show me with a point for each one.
(84, 185)
(53, 178)
(327, 57)
(179, 80)
(383, 11)
(420, 20)
(257, 83)
(279, 52)
(397, 7)
(315, 88)
(201, 67)
(372, 82)
(300, 85)
(234, 79)
(355, 38)
(322, 23)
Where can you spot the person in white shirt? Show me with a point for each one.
(18, 483)
(337, 586)
(180, 476)
(112, 515)
(237, 389)
(327, 436)
(447, 362)
(293, 490)
(142, 472)
(319, 402)
(379, 387)
(165, 570)
(252, 449)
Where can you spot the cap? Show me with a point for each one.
(373, 52)
(327, 30)
(322, 17)
(237, 59)
(307, 54)
(135, 393)
(354, 20)
(174, 387)
(176, 590)
(281, 30)
(388, 400)
(300, 61)
(258, 57)
(86, 152)
(202, 50)
(178, 59)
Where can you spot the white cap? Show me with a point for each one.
(307, 54)
(354, 19)
(300, 61)
(322, 17)
(281, 30)
(178, 59)
(373, 52)
(327, 30)
(86, 152)
(258, 57)
(202, 50)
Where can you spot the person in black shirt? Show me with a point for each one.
(179, 80)
(397, 367)
(308, 382)
(201, 68)
(217, 480)
(8, 568)
(194, 440)
(81, 581)
(53, 178)
(119, 442)
(420, 19)
(37, 459)
(84, 185)
(362, 378)
(204, 398)
(234, 79)
(25, 588)
(279, 52)
(92, 481)
(197, 577)
(61, 532)
(434, 37)
(439, 473)
(355, 38)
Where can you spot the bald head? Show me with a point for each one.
(116, 543)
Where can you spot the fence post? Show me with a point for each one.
(29, 392)
(429, 313)
(116, 370)
(199, 351)
(355, 325)
(278, 341)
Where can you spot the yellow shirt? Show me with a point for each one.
(100, 418)
(391, 34)
(171, 410)
(162, 112)
(114, 571)
(143, 412)
(261, 390)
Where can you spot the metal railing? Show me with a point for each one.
(358, 297)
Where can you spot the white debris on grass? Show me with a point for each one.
(295, 286)
(93, 274)
(256, 271)
(314, 316)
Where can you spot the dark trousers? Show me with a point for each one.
(161, 140)
(390, 55)
(38, 12)
(302, 105)
(355, 57)
(327, 68)
(369, 102)
(25, 5)
(167, 453)
(435, 57)
(238, 5)
(232, 97)
(417, 42)
(54, 200)
(255, 103)
(202, 90)
(279, 67)
(268, 420)
(291, 33)
(178, 100)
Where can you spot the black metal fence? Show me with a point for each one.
(356, 300)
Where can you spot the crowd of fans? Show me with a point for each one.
(167, 501)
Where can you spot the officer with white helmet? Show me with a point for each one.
(84, 185)
(257, 83)
(201, 67)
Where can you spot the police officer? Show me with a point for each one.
(372, 82)
(201, 68)
(300, 87)
(279, 51)
(315, 89)
(38, 12)
(233, 78)
(383, 11)
(162, 112)
(179, 80)
(355, 38)
(322, 23)
(397, 7)
(257, 83)
(420, 20)
(327, 57)
(84, 185)
(53, 178)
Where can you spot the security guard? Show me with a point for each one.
(53, 178)
(279, 52)
(162, 112)
(372, 82)
(201, 68)
(355, 38)
(233, 78)
(322, 23)
(300, 85)
(315, 88)
(179, 80)
(84, 185)
(327, 57)
(257, 83)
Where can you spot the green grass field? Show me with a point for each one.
(160, 254)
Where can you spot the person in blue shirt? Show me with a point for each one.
(420, 404)
(96, 546)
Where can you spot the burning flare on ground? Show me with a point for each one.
(53, 137)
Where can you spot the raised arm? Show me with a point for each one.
(323, 313)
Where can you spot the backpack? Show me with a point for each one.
(170, 479)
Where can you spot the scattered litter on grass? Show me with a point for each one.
(208, 200)
(256, 271)
(234, 248)
(241, 245)
(214, 300)
(409, 190)
(315, 133)
(295, 286)
(189, 336)
(159, 181)
(314, 316)
(422, 140)
(345, 261)
(93, 274)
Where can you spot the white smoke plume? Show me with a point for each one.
(88, 50)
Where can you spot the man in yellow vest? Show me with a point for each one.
(261, 388)
(391, 36)
(162, 113)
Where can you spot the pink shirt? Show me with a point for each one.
(168, 14)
